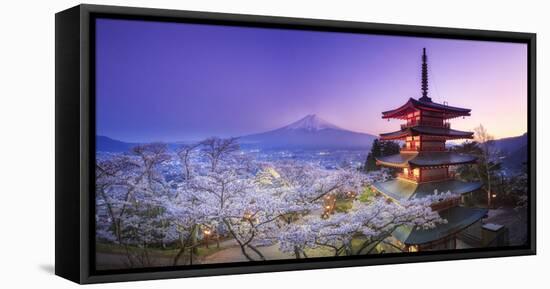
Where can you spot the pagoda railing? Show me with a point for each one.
(426, 123)
(433, 178)
(425, 179)
(408, 177)
(410, 150)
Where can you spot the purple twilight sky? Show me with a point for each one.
(175, 82)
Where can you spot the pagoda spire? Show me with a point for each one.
(425, 77)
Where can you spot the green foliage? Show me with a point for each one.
(380, 149)
(512, 190)
(503, 189)
(468, 172)
(367, 195)
(487, 168)
(343, 205)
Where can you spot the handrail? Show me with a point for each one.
(426, 123)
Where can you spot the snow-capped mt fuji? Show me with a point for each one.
(309, 132)
(311, 122)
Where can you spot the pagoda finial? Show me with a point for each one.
(425, 77)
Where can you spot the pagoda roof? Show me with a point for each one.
(425, 159)
(458, 219)
(427, 130)
(413, 105)
(399, 189)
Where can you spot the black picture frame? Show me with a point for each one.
(75, 141)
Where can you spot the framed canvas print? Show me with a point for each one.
(193, 144)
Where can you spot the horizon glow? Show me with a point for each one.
(159, 81)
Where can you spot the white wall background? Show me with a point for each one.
(27, 143)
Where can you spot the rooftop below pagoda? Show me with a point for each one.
(399, 189)
(458, 218)
(425, 159)
(445, 132)
(425, 104)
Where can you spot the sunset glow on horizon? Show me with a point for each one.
(175, 82)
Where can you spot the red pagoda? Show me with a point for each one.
(424, 163)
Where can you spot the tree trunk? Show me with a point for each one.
(178, 255)
(257, 252)
(296, 252)
(243, 250)
(181, 250)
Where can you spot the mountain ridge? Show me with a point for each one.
(513, 151)
(313, 132)
(311, 122)
(309, 132)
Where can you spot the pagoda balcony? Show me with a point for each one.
(426, 123)
(425, 179)
(408, 177)
(409, 150)
(413, 150)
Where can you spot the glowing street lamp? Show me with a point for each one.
(207, 232)
(247, 216)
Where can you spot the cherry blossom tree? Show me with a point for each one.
(129, 192)
(369, 222)
(152, 197)
(217, 149)
(185, 154)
